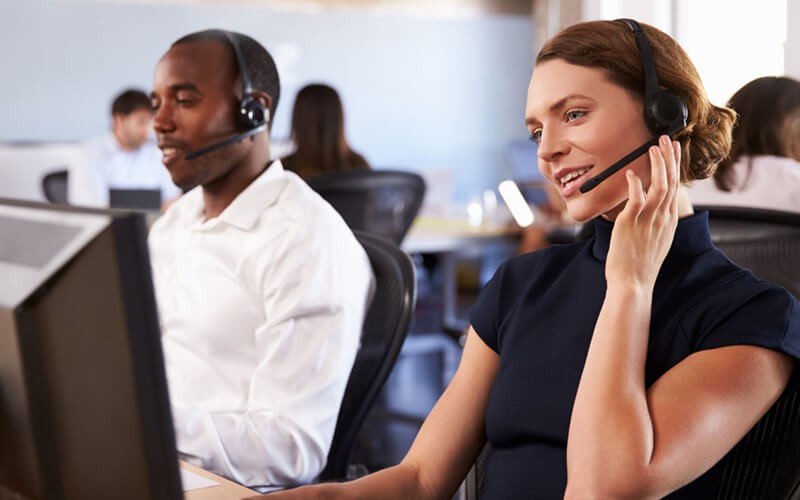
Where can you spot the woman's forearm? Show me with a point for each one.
(398, 482)
(610, 439)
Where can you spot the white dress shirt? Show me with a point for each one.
(261, 313)
(109, 166)
(773, 182)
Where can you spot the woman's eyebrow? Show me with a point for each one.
(558, 105)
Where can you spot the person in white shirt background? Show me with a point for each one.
(125, 157)
(763, 169)
(261, 286)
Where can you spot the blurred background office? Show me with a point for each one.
(435, 87)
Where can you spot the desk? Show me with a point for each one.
(451, 239)
(435, 235)
(225, 490)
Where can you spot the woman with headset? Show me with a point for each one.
(628, 365)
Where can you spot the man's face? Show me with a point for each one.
(194, 103)
(132, 129)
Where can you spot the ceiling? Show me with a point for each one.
(422, 8)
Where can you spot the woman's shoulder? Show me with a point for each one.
(554, 257)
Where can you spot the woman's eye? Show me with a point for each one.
(574, 115)
(536, 136)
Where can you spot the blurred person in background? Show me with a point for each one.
(318, 133)
(125, 157)
(763, 169)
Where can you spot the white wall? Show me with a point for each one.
(419, 93)
(791, 54)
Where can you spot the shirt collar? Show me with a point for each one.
(247, 207)
(692, 236)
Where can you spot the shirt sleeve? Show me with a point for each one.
(315, 285)
(483, 315)
(765, 316)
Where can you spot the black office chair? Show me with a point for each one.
(383, 202)
(54, 186)
(385, 328)
(765, 241)
(765, 465)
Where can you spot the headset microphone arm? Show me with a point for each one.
(605, 174)
(227, 142)
(636, 153)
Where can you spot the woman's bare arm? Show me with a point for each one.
(444, 449)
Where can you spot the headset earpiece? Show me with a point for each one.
(252, 112)
(664, 112)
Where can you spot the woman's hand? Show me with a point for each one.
(644, 230)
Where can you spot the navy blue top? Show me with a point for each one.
(538, 313)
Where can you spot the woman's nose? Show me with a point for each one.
(551, 146)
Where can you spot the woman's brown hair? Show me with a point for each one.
(768, 124)
(611, 46)
(318, 133)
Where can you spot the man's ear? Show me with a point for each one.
(266, 100)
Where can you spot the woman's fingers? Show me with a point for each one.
(675, 177)
(636, 196)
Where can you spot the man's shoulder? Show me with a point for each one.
(302, 203)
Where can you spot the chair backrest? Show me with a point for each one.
(385, 327)
(766, 463)
(54, 186)
(383, 202)
(765, 241)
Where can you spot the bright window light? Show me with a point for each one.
(732, 43)
(516, 203)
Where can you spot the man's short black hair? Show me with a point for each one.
(129, 101)
(259, 62)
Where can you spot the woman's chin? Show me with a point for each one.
(581, 212)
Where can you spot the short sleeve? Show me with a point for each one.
(483, 314)
(768, 317)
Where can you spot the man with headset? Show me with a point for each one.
(261, 287)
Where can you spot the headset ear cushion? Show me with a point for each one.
(252, 114)
(666, 111)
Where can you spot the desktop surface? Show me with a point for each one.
(221, 489)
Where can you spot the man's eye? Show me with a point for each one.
(536, 136)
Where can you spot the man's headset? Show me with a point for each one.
(252, 116)
(664, 112)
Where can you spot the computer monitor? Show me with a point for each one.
(84, 408)
(139, 199)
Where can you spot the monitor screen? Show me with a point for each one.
(139, 199)
(84, 409)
